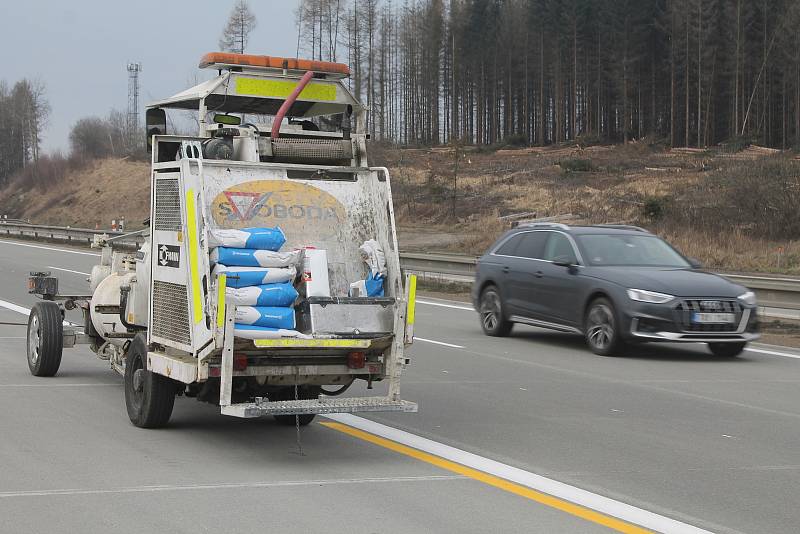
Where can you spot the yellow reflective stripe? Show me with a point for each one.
(194, 254)
(338, 343)
(283, 88)
(412, 298)
(222, 283)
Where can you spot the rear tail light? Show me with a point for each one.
(356, 360)
(239, 362)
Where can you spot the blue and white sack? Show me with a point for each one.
(263, 332)
(281, 295)
(271, 317)
(254, 238)
(255, 276)
(371, 287)
(247, 257)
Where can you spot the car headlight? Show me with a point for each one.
(640, 295)
(748, 298)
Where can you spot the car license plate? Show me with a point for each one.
(713, 318)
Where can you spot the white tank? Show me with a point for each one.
(107, 294)
(99, 273)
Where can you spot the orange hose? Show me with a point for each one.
(276, 125)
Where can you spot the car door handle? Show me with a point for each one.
(506, 270)
(538, 274)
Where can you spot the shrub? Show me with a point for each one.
(576, 165)
(49, 169)
(654, 207)
(760, 197)
(516, 140)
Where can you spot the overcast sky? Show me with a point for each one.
(80, 49)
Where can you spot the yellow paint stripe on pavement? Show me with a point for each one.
(497, 482)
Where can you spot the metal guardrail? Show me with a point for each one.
(772, 292)
(62, 234)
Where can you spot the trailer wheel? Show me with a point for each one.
(307, 392)
(149, 397)
(45, 338)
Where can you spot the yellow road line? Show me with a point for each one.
(497, 482)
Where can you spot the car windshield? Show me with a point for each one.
(632, 250)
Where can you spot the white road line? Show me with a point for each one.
(438, 342)
(774, 353)
(599, 503)
(68, 270)
(24, 311)
(231, 485)
(48, 248)
(14, 307)
(429, 303)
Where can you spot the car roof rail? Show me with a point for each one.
(622, 227)
(560, 226)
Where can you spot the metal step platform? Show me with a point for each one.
(318, 406)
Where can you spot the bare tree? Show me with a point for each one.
(92, 137)
(241, 22)
(543, 71)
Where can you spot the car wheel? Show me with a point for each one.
(602, 328)
(726, 350)
(493, 322)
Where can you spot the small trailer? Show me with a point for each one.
(281, 145)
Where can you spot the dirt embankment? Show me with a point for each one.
(94, 195)
(734, 210)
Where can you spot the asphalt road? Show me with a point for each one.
(669, 430)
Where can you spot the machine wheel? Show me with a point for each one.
(149, 397)
(308, 392)
(45, 338)
(601, 328)
(726, 350)
(493, 322)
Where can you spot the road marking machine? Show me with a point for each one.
(269, 280)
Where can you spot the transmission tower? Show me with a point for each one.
(133, 105)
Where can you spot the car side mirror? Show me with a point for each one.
(565, 261)
(695, 263)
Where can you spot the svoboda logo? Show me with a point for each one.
(295, 207)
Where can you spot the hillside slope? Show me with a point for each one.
(104, 190)
(732, 209)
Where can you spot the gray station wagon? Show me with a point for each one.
(614, 285)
